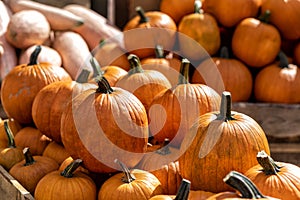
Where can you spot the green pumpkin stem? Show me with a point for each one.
(135, 64)
(283, 60)
(98, 73)
(165, 150)
(198, 7)
(140, 11)
(243, 185)
(184, 190)
(184, 72)
(268, 164)
(10, 135)
(159, 51)
(68, 172)
(128, 177)
(224, 53)
(225, 108)
(265, 17)
(29, 160)
(34, 55)
(83, 76)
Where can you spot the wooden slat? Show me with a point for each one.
(286, 152)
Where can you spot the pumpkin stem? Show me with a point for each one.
(283, 60)
(267, 163)
(165, 150)
(83, 76)
(10, 136)
(68, 172)
(34, 55)
(198, 7)
(184, 72)
(29, 160)
(98, 73)
(135, 64)
(128, 177)
(225, 108)
(103, 86)
(184, 190)
(140, 11)
(159, 51)
(265, 17)
(224, 53)
(243, 184)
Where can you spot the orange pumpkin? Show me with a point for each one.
(56, 151)
(256, 42)
(297, 54)
(150, 29)
(203, 32)
(22, 83)
(276, 179)
(14, 127)
(278, 82)
(217, 143)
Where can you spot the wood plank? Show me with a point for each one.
(286, 152)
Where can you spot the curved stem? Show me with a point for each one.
(135, 64)
(283, 60)
(96, 68)
(184, 72)
(225, 108)
(243, 184)
(83, 76)
(265, 17)
(165, 150)
(103, 86)
(159, 51)
(224, 53)
(184, 190)
(29, 160)
(268, 164)
(198, 7)
(10, 136)
(128, 177)
(69, 170)
(34, 55)
(140, 11)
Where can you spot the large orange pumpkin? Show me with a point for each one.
(22, 83)
(217, 143)
(101, 124)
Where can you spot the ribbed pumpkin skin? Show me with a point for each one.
(215, 147)
(100, 127)
(21, 85)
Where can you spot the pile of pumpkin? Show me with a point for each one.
(87, 119)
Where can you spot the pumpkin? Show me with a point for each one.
(56, 151)
(149, 28)
(177, 8)
(14, 127)
(51, 101)
(132, 184)
(22, 83)
(173, 111)
(217, 143)
(144, 84)
(66, 184)
(200, 34)
(278, 82)
(48, 54)
(199, 195)
(285, 16)
(27, 28)
(168, 65)
(230, 12)
(276, 179)
(253, 37)
(297, 54)
(110, 53)
(245, 188)
(235, 75)
(11, 154)
(33, 138)
(68, 161)
(30, 170)
(99, 125)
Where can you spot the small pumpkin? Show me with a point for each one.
(56, 151)
(66, 184)
(149, 28)
(276, 179)
(217, 143)
(245, 188)
(144, 84)
(132, 184)
(278, 82)
(253, 37)
(22, 83)
(200, 34)
(68, 161)
(14, 127)
(32, 169)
